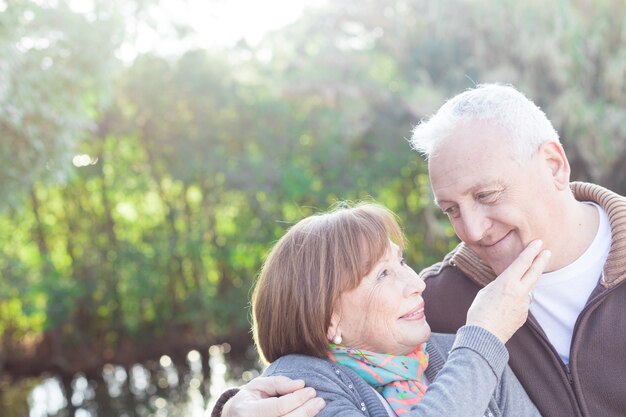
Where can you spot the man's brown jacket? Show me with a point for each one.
(594, 383)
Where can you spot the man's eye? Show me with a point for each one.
(486, 197)
(451, 211)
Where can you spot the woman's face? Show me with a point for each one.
(385, 313)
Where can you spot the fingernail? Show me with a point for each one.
(547, 253)
(319, 403)
(297, 382)
(537, 243)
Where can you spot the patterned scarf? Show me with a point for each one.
(400, 376)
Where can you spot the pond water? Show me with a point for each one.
(156, 389)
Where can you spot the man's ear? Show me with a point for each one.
(333, 329)
(553, 155)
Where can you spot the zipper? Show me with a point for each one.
(536, 328)
(534, 325)
(566, 373)
(570, 378)
(589, 306)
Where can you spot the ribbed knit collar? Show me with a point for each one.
(435, 362)
(614, 269)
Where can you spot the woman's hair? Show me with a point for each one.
(526, 127)
(308, 269)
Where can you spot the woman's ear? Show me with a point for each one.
(553, 155)
(334, 332)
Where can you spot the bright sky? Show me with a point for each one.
(216, 23)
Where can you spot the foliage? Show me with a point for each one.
(194, 165)
(54, 64)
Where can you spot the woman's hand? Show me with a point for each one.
(502, 306)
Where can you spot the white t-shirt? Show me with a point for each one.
(560, 296)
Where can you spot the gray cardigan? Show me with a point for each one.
(471, 381)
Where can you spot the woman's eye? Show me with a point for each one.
(383, 274)
(402, 261)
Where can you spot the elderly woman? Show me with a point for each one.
(335, 305)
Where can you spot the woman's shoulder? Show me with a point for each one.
(317, 372)
(339, 386)
(300, 363)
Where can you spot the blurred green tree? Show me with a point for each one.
(188, 167)
(55, 68)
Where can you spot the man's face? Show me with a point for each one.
(496, 204)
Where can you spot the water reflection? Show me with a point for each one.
(46, 399)
(188, 386)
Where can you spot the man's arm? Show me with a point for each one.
(274, 396)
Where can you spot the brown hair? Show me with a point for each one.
(308, 269)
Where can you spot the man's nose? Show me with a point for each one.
(475, 225)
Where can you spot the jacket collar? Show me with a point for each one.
(614, 268)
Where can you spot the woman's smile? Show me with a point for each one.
(415, 314)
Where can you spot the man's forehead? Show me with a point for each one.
(458, 189)
(468, 169)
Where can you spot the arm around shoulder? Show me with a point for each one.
(269, 397)
(345, 393)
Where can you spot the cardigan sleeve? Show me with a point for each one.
(467, 381)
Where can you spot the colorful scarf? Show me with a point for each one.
(401, 377)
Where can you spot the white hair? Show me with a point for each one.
(526, 127)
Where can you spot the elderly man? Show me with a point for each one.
(499, 173)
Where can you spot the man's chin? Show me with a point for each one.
(497, 260)
(498, 263)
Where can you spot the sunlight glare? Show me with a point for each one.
(226, 23)
(83, 160)
(165, 361)
(213, 24)
(193, 356)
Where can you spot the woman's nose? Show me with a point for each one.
(414, 286)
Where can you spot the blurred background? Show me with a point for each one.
(152, 151)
